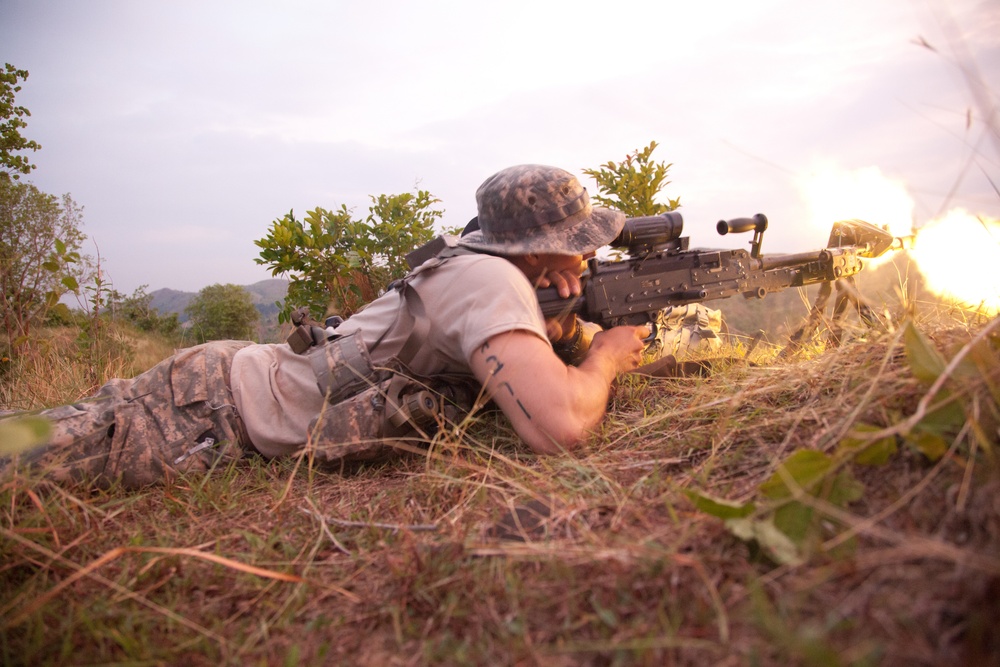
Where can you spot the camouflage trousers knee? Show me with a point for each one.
(176, 418)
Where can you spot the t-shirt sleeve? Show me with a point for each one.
(478, 299)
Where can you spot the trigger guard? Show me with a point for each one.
(648, 340)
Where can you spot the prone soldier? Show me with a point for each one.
(463, 327)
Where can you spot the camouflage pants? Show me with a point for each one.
(177, 417)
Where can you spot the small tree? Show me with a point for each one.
(633, 185)
(336, 263)
(40, 240)
(223, 312)
(11, 122)
(137, 311)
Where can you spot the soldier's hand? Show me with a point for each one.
(567, 282)
(623, 345)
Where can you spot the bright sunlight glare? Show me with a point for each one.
(866, 194)
(959, 257)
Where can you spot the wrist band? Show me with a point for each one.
(570, 348)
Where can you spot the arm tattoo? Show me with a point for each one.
(497, 366)
(506, 385)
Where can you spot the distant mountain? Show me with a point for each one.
(264, 294)
(167, 301)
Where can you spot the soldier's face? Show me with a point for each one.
(575, 264)
(539, 267)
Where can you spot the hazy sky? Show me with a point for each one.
(185, 128)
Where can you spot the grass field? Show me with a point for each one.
(839, 506)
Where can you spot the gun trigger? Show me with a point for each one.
(652, 334)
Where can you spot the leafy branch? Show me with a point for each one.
(632, 186)
(336, 263)
(791, 513)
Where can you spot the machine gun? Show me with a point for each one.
(660, 271)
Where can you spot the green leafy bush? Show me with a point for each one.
(223, 312)
(337, 264)
(633, 185)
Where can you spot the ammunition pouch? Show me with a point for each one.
(343, 367)
(398, 413)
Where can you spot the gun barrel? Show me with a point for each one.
(769, 262)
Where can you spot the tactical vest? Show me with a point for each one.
(372, 411)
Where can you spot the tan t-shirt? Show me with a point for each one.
(468, 300)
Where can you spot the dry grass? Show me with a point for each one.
(61, 365)
(479, 553)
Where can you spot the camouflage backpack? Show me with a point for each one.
(688, 331)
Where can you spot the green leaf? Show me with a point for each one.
(775, 544)
(845, 489)
(866, 451)
(719, 507)
(60, 247)
(925, 361)
(20, 434)
(946, 420)
(804, 466)
(70, 283)
(931, 445)
(798, 520)
(794, 519)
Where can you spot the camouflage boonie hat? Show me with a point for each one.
(532, 208)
